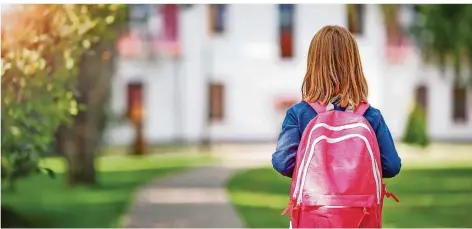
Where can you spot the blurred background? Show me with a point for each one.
(112, 113)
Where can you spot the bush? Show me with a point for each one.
(417, 131)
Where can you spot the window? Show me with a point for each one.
(216, 101)
(217, 18)
(135, 101)
(139, 13)
(286, 21)
(397, 20)
(170, 19)
(169, 43)
(186, 6)
(416, 10)
(422, 97)
(460, 104)
(355, 17)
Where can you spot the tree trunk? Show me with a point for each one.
(83, 138)
(81, 168)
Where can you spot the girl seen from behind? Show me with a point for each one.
(329, 137)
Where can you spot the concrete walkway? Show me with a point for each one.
(195, 198)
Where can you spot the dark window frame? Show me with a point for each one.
(422, 97)
(460, 113)
(216, 101)
(218, 18)
(286, 18)
(359, 11)
(135, 94)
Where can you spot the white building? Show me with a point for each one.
(241, 60)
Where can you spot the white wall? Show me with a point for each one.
(194, 71)
(440, 120)
(246, 60)
(398, 94)
(167, 117)
(157, 79)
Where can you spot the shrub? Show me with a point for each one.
(417, 131)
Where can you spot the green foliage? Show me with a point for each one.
(41, 47)
(445, 35)
(416, 131)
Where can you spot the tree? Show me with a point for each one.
(45, 49)
(445, 36)
(37, 94)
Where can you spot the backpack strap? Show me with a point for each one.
(362, 108)
(320, 108)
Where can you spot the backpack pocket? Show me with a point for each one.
(346, 211)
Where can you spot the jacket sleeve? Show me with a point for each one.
(391, 162)
(283, 159)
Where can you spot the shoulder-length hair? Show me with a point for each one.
(334, 67)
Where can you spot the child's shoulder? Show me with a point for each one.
(373, 112)
(299, 107)
(374, 116)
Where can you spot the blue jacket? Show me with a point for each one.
(297, 118)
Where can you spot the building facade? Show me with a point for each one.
(221, 71)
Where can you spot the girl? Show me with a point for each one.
(334, 68)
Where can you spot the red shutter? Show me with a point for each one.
(170, 19)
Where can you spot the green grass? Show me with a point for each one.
(438, 198)
(46, 202)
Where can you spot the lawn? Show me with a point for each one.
(429, 197)
(46, 202)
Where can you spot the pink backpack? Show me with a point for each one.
(337, 180)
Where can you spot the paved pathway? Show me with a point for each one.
(192, 199)
(195, 198)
